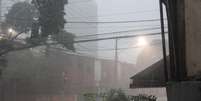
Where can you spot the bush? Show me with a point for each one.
(116, 95)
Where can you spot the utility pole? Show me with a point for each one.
(116, 62)
(1, 83)
(0, 10)
(0, 14)
(163, 40)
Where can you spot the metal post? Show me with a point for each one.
(0, 10)
(172, 68)
(1, 15)
(163, 40)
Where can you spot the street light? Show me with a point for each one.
(10, 30)
(142, 41)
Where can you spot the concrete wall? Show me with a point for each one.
(193, 36)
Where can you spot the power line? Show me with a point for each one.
(89, 22)
(117, 37)
(131, 21)
(115, 14)
(109, 49)
(145, 29)
(113, 49)
(79, 2)
(114, 26)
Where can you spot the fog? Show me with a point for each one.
(96, 66)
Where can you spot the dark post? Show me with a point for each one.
(163, 40)
(116, 62)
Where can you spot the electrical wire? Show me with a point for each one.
(105, 22)
(113, 49)
(114, 26)
(79, 2)
(115, 14)
(117, 37)
(89, 35)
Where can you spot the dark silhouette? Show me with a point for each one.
(51, 18)
(21, 16)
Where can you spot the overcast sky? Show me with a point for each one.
(113, 10)
(109, 10)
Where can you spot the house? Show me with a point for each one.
(150, 81)
(151, 77)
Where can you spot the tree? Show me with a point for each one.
(66, 39)
(51, 22)
(21, 16)
(51, 19)
(46, 17)
(116, 95)
(143, 97)
(90, 97)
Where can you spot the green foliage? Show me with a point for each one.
(66, 39)
(116, 95)
(43, 17)
(20, 16)
(94, 96)
(90, 97)
(51, 17)
(143, 97)
(51, 22)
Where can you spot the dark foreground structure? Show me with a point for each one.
(152, 76)
(182, 76)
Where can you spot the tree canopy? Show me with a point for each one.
(51, 18)
(21, 16)
(43, 18)
(116, 95)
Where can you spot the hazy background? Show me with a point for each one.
(109, 11)
(140, 52)
(113, 10)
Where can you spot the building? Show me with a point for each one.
(151, 77)
(41, 74)
(52, 73)
(110, 79)
(150, 81)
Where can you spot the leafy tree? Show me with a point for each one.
(116, 95)
(21, 16)
(143, 97)
(90, 97)
(66, 39)
(51, 22)
(45, 16)
(51, 19)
